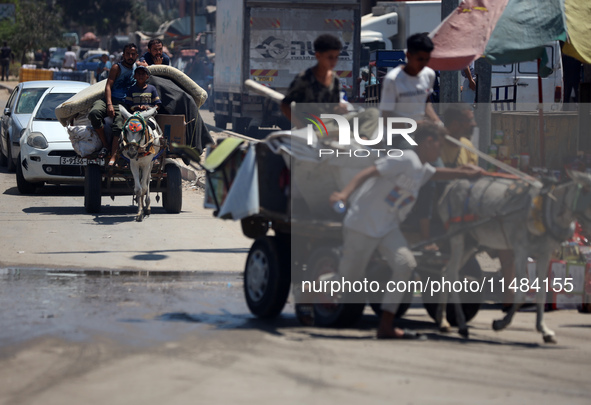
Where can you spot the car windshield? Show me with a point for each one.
(28, 100)
(46, 111)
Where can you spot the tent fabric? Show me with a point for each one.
(523, 30)
(578, 23)
(181, 27)
(462, 37)
(176, 101)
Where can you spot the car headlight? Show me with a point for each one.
(37, 140)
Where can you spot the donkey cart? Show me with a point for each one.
(179, 122)
(297, 234)
(103, 180)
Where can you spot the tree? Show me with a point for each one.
(36, 26)
(107, 17)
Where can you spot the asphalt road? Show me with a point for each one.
(100, 309)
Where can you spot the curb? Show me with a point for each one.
(5, 87)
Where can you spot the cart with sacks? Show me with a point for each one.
(180, 123)
(279, 190)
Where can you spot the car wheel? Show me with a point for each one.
(11, 167)
(172, 198)
(24, 186)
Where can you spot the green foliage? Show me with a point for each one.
(146, 21)
(108, 17)
(36, 26)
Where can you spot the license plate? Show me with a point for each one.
(78, 161)
(263, 79)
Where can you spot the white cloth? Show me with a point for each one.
(243, 198)
(406, 95)
(384, 201)
(69, 60)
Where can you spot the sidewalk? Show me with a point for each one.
(8, 85)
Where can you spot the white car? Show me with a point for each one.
(17, 113)
(46, 154)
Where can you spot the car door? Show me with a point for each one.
(6, 122)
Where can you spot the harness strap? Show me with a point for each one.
(465, 217)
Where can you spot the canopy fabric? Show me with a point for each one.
(462, 37)
(181, 27)
(523, 30)
(578, 23)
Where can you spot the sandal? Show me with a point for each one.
(408, 335)
(103, 153)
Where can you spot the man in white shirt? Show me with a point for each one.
(387, 191)
(407, 87)
(69, 60)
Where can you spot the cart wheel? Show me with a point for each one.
(92, 189)
(172, 198)
(470, 301)
(24, 186)
(324, 260)
(253, 227)
(267, 277)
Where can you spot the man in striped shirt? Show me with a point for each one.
(142, 96)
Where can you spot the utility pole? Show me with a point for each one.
(192, 24)
(483, 111)
(449, 81)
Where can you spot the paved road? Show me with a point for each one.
(176, 337)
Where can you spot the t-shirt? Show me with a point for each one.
(305, 88)
(100, 68)
(146, 96)
(384, 201)
(70, 60)
(123, 82)
(406, 95)
(454, 156)
(147, 57)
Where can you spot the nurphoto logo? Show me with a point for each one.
(394, 126)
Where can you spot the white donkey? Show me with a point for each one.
(140, 143)
(529, 221)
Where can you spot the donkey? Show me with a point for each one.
(530, 221)
(140, 143)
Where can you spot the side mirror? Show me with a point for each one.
(7, 111)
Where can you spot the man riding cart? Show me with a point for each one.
(180, 98)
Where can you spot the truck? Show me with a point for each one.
(514, 86)
(390, 23)
(271, 42)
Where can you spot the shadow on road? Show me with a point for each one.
(50, 191)
(368, 323)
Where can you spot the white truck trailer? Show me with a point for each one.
(390, 23)
(270, 42)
